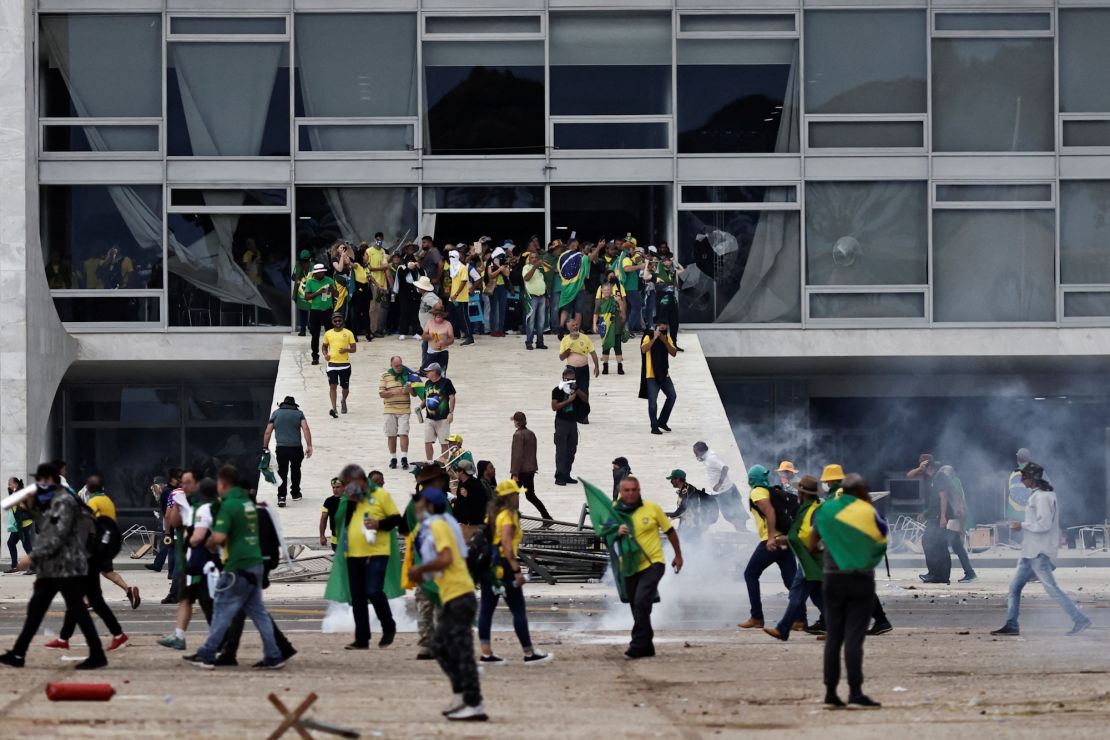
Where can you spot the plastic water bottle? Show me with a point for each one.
(370, 534)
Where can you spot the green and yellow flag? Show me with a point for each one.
(338, 587)
(853, 532)
(574, 268)
(624, 552)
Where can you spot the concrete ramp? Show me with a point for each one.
(494, 378)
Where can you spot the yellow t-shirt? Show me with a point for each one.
(649, 370)
(508, 517)
(378, 504)
(361, 275)
(759, 493)
(461, 279)
(339, 343)
(618, 289)
(102, 506)
(376, 258)
(805, 529)
(580, 346)
(537, 285)
(454, 581)
(647, 521)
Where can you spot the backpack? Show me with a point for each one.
(785, 506)
(102, 536)
(479, 556)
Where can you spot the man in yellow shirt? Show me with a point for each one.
(577, 350)
(371, 516)
(772, 549)
(458, 273)
(648, 520)
(443, 554)
(339, 344)
(377, 265)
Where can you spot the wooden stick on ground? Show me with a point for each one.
(291, 719)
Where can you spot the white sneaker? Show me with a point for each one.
(400, 336)
(417, 336)
(535, 658)
(456, 704)
(469, 714)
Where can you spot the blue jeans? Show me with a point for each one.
(800, 590)
(649, 309)
(1042, 567)
(653, 388)
(635, 301)
(302, 319)
(235, 593)
(534, 323)
(497, 303)
(761, 560)
(514, 597)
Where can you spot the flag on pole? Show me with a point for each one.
(624, 552)
(574, 268)
(853, 532)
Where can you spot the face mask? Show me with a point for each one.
(824, 487)
(421, 515)
(353, 490)
(378, 242)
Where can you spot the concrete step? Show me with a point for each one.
(495, 377)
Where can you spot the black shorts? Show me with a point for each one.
(105, 567)
(196, 592)
(340, 376)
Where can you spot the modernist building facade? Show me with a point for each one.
(889, 199)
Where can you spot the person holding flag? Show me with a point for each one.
(855, 538)
(574, 268)
(367, 564)
(630, 527)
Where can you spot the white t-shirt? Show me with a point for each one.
(202, 517)
(713, 467)
(181, 501)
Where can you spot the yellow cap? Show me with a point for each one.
(508, 487)
(455, 438)
(832, 472)
(787, 467)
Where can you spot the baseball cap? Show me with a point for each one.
(319, 268)
(434, 496)
(467, 467)
(677, 473)
(305, 254)
(434, 366)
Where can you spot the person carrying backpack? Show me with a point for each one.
(774, 514)
(503, 576)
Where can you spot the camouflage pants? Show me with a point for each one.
(425, 620)
(454, 647)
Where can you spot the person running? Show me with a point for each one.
(327, 514)
(771, 550)
(395, 389)
(339, 343)
(443, 555)
(809, 576)
(201, 494)
(320, 291)
(20, 526)
(240, 584)
(371, 516)
(61, 565)
(1039, 544)
(289, 423)
(610, 314)
(504, 578)
(655, 376)
(103, 506)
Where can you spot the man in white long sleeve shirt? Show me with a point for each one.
(721, 486)
(1041, 538)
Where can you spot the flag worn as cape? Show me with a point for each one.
(574, 268)
(624, 551)
(853, 532)
(339, 587)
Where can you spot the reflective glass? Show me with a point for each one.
(1086, 133)
(865, 61)
(866, 233)
(126, 458)
(1085, 231)
(612, 136)
(127, 404)
(993, 95)
(377, 138)
(1084, 59)
(101, 236)
(187, 25)
(596, 211)
(219, 197)
(867, 305)
(735, 23)
(482, 196)
(738, 194)
(483, 24)
(994, 21)
(67, 138)
(996, 193)
(356, 214)
(866, 134)
(225, 402)
(994, 266)
(1086, 305)
(108, 309)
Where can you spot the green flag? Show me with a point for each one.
(338, 587)
(853, 532)
(625, 554)
(574, 268)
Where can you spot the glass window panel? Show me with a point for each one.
(739, 194)
(1086, 305)
(987, 193)
(222, 402)
(339, 74)
(377, 138)
(741, 266)
(993, 95)
(227, 100)
(595, 211)
(610, 64)
(1086, 133)
(207, 449)
(866, 233)
(486, 100)
(102, 236)
(127, 459)
(108, 309)
(1084, 59)
(1085, 231)
(483, 24)
(70, 138)
(127, 404)
(100, 66)
(994, 266)
(867, 305)
(186, 25)
(865, 61)
(993, 22)
(229, 269)
(735, 23)
(866, 134)
(483, 196)
(228, 197)
(737, 96)
(611, 136)
(356, 214)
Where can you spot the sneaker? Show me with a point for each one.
(528, 347)
(153, 567)
(605, 368)
(455, 705)
(387, 637)
(133, 596)
(637, 654)
(57, 644)
(357, 646)
(296, 497)
(491, 660)
(393, 463)
(281, 503)
(570, 480)
(333, 414)
(798, 627)
(968, 578)
(541, 346)
(538, 658)
(91, 663)
(417, 337)
(169, 600)
(227, 661)
(752, 623)
(863, 701)
(1007, 631)
(199, 662)
(656, 430)
(469, 714)
(832, 701)
(172, 641)
(401, 337)
(404, 463)
(343, 407)
(315, 360)
(286, 655)
(117, 642)
(817, 628)
(773, 632)
(664, 427)
(470, 340)
(16, 570)
(560, 482)
(880, 628)
(1079, 626)
(11, 659)
(269, 665)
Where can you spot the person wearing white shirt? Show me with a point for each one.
(721, 486)
(1040, 541)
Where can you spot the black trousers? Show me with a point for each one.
(566, 446)
(934, 543)
(96, 600)
(366, 576)
(317, 320)
(849, 602)
(289, 461)
(642, 589)
(72, 590)
(360, 308)
(408, 321)
(528, 480)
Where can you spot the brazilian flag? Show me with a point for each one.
(853, 532)
(339, 588)
(625, 555)
(574, 268)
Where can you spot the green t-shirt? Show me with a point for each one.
(238, 519)
(631, 280)
(325, 300)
